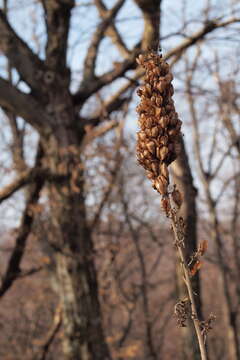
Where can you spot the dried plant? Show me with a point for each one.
(157, 147)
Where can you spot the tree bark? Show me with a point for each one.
(76, 275)
(183, 179)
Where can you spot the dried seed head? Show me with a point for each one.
(159, 123)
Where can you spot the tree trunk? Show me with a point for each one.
(184, 181)
(229, 314)
(76, 277)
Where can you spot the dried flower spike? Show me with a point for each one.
(159, 124)
(157, 147)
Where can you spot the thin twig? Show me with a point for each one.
(187, 280)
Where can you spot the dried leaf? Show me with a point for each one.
(177, 198)
(196, 267)
(166, 206)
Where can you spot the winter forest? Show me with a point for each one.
(120, 180)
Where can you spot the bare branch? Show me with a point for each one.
(99, 131)
(91, 87)
(115, 103)
(210, 26)
(113, 175)
(90, 60)
(57, 17)
(112, 31)
(24, 178)
(13, 267)
(23, 105)
(151, 16)
(19, 54)
(17, 142)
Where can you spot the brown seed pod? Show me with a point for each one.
(163, 152)
(140, 92)
(155, 84)
(146, 154)
(151, 111)
(153, 100)
(142, 145)
(164, 170)
(155, 167)
(168, 77)
(150, 64)
(155, 131)
(140, 108)
(173, 133)
(148, 123)
(164, 121)
(151, 73)
(161, 86)
(159, 100)
(164, 140)
(165, 68)
(179, 124)
(147, 163)
(141, 135)
(148, 89)
(158, 153)
(148, 132)
(151, 147)
(147, 79)
(146, 102)
(156, 71)
(140, 59)
(173, 120)
(150, 175)
(160, 186)
(158, 111)
(164, 180)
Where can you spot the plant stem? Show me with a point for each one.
(188, 283)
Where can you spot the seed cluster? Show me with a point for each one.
(160, 127)
(182, 312)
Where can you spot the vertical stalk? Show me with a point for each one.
(187, 280)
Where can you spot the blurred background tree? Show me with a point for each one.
(88, 266)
